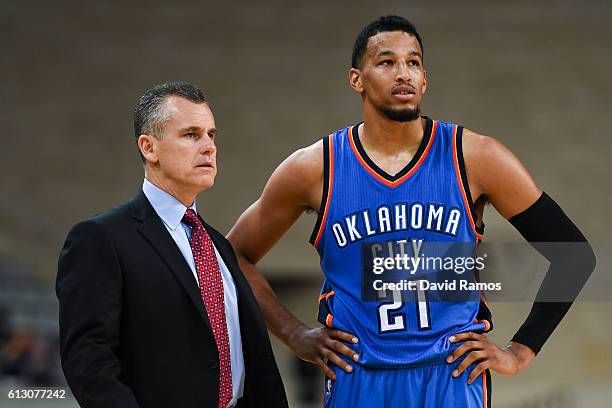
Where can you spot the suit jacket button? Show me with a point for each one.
(214, 364)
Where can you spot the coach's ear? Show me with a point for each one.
(355, 80)
(148, 147)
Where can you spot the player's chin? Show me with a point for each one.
(402, 113)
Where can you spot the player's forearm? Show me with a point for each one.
(571, 259)
(281, 322)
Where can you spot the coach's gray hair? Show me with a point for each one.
(150, 115)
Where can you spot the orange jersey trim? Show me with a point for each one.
(484, 389)
(486, 323)
(399, 181)
(463, 194)
(486, 302)
(326, 296)
(329, 191)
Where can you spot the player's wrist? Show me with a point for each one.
(293, 332)
(523, 354)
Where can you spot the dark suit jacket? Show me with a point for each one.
(133, 328)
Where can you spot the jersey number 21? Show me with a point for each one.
(392, 319)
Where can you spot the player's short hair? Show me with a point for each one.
(381, 25)
(150, 114)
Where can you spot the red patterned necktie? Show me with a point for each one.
(211, 290)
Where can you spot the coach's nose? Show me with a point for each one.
(208, 146)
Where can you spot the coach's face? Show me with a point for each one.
(391, 76)
(183, 161)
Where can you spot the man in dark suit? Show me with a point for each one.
(154, 310)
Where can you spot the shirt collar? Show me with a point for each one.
(167, 207)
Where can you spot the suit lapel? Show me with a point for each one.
(154, 231)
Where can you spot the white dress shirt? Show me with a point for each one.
(171, 212)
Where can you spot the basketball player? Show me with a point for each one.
(399, 174)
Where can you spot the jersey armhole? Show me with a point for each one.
(327, 182)
(463, 180)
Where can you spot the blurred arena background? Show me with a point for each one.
(533, 74)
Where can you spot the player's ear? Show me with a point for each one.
(355, 80)
(424, 81)
(148, 147)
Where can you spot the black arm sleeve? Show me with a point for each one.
(571, 263)
(88, 287)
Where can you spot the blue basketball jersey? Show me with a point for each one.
(427, 201)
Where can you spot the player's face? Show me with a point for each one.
(186, 155)
(391, 77)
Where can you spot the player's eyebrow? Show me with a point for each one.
(387, 53)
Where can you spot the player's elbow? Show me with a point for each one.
(580, 253)
(586, 255)
(577, 262)
(241, 251)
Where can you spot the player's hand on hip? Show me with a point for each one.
(487, 355)
(322, 345)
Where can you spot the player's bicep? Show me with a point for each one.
(282, 201)
(502, 178)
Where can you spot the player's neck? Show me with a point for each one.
(389, 136)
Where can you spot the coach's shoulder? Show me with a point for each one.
(100, 224)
